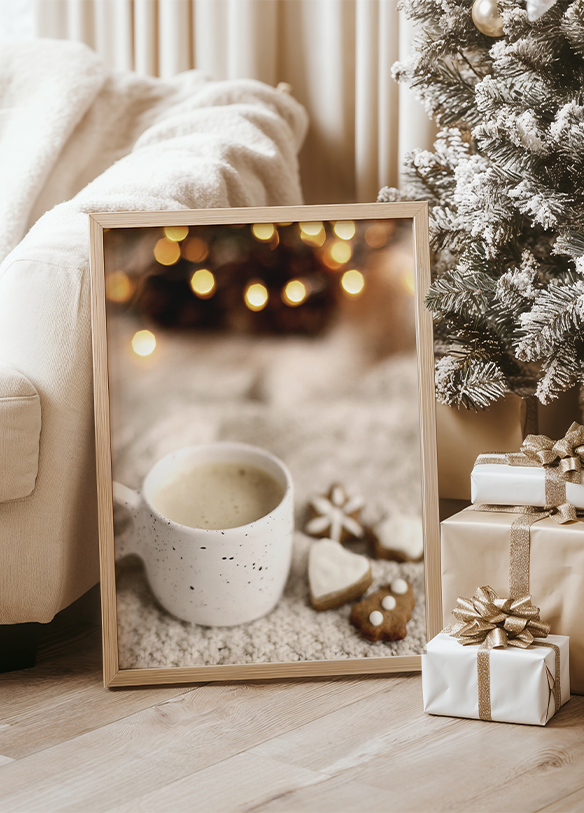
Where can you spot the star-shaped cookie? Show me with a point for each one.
(336, 515)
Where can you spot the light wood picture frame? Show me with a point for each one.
(411, 215)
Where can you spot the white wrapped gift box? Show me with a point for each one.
(504, 484)
(521, 680)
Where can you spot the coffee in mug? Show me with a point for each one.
(213, 525)
(218, 495)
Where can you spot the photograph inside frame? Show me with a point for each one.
(265, 442)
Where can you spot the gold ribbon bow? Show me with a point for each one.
(492, 622)
(562, 460)
(566, 454)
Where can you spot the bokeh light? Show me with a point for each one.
(263, 231)
(167, 252)
(376, 235)
(143, 343)
(312, 233)
(294, 293)
(256, 296)
(195, 250)
(176, 233)
(341, 252)
(118, 287)
(203, 283)
(353, 282)
(409, 282)
(345, 229)
(311, 228)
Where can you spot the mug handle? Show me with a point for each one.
(127, 542)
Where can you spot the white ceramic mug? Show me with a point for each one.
(211, 577)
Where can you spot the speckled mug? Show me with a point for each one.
(217, 578)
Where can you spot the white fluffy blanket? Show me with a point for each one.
(186, 143)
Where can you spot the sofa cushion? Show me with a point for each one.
(20, 429)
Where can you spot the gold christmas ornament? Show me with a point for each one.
(487, 18)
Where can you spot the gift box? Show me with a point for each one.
(521, 685)
(495, 481)
(518, 554)
(543, 472)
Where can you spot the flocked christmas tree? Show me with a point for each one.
(505, 184)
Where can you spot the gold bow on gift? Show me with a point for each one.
(497, 622)
(562, 461)
(567, 454)
(491, 622)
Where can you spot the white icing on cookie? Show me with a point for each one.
(399, 587)
(332, 568)
(403, 533)
(376, 618)
(334, 515)
(388, 603)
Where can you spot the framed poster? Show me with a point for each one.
(265, 435)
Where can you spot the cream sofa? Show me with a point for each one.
(137, 144)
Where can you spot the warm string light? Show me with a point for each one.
(409, 282)
(353, 282)
(263, 232)
(143, 343)
(341, 252)
(194, 250)
(167, 252)
(176, 233)
(118, 287)
(376, 235)
(312, 233)
(345, 229)
(256, 296)
(203, 283)
(294, 293)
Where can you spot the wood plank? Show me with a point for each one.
(259, 783)
(334, 795)
(5, 760)
(573, 803)
(63, 695)
(254, 781)
(534, 766)
(393, 743)
(156, 746)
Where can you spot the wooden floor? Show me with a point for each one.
(68, 744)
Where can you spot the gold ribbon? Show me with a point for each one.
(492, 622)
(520, 537)
(561, 460)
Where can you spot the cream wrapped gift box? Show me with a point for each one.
(504, 484)
(544, 472)
(475, 549)
(521, 680)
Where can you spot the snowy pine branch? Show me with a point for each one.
(505, 183)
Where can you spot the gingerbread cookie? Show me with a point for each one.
(399, 537)
(336, 515)
(335, 575)
(384, 614)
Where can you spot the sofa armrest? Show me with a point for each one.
(20, 429)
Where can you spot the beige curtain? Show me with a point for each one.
(335, 54)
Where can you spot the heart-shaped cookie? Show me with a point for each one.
(336, 575)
